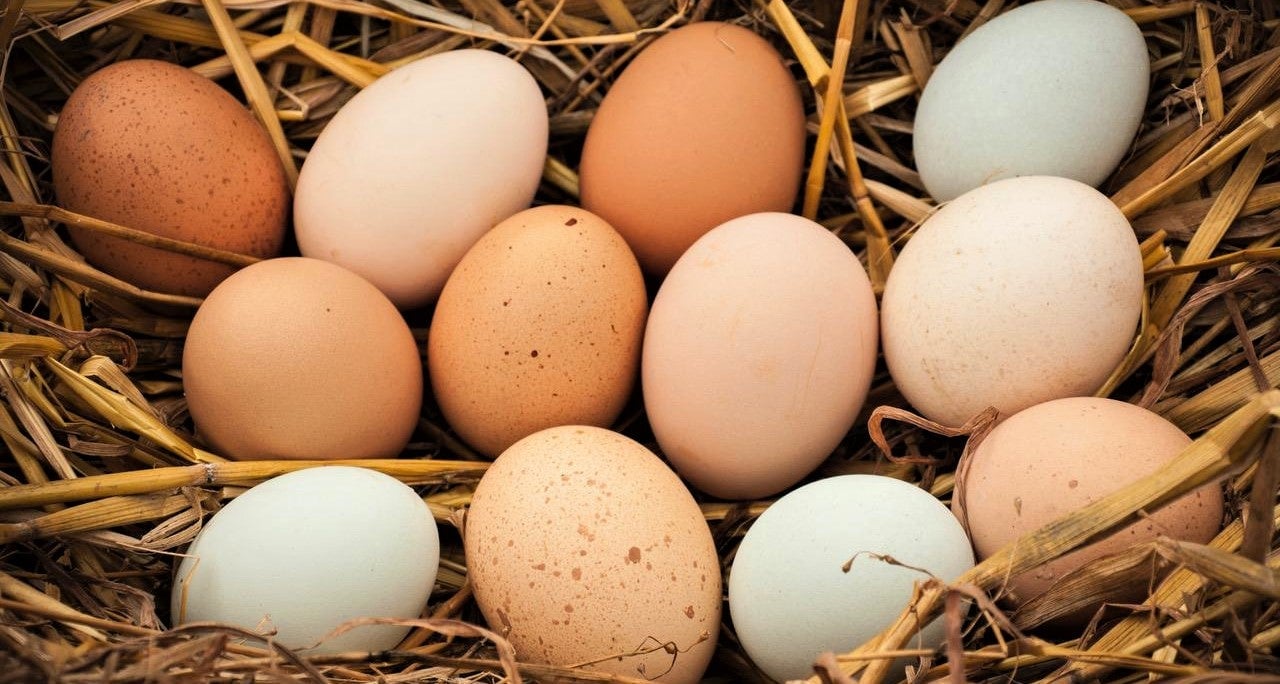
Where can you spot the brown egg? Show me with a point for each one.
(583, 547)
(706, 125)
(156, 147)
(539, 325)
(300, 358)
(1053, 458)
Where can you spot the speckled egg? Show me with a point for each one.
(156, 147)
(1042, 463)
(539, 325)
(583, 547)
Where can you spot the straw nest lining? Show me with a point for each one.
(102, 482)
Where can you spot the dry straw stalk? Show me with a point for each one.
(102, 478)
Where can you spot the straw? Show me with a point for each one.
(105, 479)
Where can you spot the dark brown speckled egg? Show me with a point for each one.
(156, 147)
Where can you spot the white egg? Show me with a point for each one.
(302, 553)
(1015, 293)
(790, 595)
(1052, 88)
(417, 166)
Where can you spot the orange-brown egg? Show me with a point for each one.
(156, 147)
(300, 358)
(583, 547)
(539, 325)
(706, 125)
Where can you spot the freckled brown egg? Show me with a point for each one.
(706, 125)
(583, 547)
(1048, 460)
(300, 358)
(539, 325)
(156, 147)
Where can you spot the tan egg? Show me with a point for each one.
(156, 147)
(704, 126)
(758, 354)
(539, 325)
(1059, 456)
(299, 358)
(583, 547)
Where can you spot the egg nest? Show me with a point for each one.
(103, 483)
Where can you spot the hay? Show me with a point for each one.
(102, 480)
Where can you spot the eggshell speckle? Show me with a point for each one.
(704, 126)
(417, 166)
(758, 354)
(156, 147)
(1051, 88)
(1018, 292)
(810, 575)
(1056, 457)
(305, 552)
(300, 358)
(582, 545)
(538, 326)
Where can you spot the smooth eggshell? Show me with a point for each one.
(1051, 88)
(758, 354)
(1018, 292)
(417, 166)
(582, 545)
(305, 552)
(1053, 458)
(790, 594)
(156, 147)
(538, 326)
(704, 126)
(300, 358)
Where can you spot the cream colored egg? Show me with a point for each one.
(417, 166)
(1018, 292)
(583, 547)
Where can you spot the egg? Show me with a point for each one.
(705, 125)
(758, 354)
(299, 358)
(1015, 293)
(584, 548)
(832, 564)
(1053, 458)
(158, 148)
(538, 326)
(1051, 88)
(305, 552)
(417, 166)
